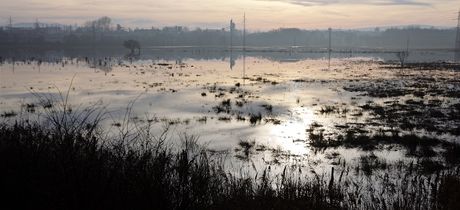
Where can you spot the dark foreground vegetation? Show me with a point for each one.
(43, 168)
(63, 165)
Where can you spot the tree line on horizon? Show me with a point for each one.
(102, 32)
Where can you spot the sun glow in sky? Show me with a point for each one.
(261, 14)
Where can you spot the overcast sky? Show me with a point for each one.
(260, 14)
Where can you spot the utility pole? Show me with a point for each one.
(244, 48)
(10, 24)
(457, 42)
(11, 37)
(36, 24)
(244, 32)
(330, 42)
(232, 29)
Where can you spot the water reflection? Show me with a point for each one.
(178, 53)
(286, 97)
(232, 60)
(293, 131)
(457, 55)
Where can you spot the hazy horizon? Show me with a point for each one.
(261, 15)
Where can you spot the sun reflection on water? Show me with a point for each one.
(292, 133)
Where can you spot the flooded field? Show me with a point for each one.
(377, 125)
(288, 106)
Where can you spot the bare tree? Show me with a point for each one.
(132, 45)
(104, 23)
(402, 56)
(101, 24)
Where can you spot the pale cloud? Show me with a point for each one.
(362, 2)
(261, 14)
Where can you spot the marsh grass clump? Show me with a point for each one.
(226, 102)
(273, 120)
(369, 163)
(225, 106)
(239, 103)
(247, 147)
(318, 140)
(203, 119)
(29, 107)
(47, 105)
(220, 95)
(224, 118)
(327, 109)
(268, 107)
(7, 114)
(240, 118)
(255, 118)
